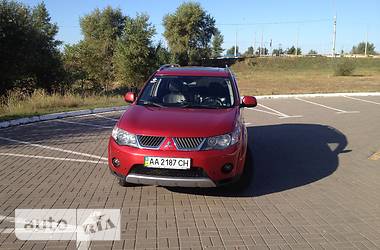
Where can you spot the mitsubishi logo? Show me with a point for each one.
(168, 144)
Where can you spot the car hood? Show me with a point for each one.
(178, 122)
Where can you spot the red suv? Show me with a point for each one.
(185, 128)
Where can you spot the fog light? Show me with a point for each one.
(227, 168)
(115, 162)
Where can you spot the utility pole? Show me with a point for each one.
(334, 38)
(270, 45)
(235, 53)
(262, 43)
(366, 44)
(297, 42)
(254, 44)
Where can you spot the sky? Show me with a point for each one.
(287, 22)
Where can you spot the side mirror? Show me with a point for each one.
(130, 97)
(248, 102)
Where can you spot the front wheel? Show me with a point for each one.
(122, 182)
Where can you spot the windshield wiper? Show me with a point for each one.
(148, 103)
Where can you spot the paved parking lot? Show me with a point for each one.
(316, 182)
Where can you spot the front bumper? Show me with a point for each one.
(205, 170)
(170, 181)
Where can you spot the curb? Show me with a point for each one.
(318, 95)
(40, 118)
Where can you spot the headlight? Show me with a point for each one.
(124, 138)
(223, 141)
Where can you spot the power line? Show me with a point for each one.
(279, 22)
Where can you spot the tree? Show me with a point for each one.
(312, 52)
(48, 66)
(135, 55)
(188, 32)
(74, 67)
(28, 49)
(231, 51)
(262, 51)
(217, 41)
(292, 51)
(249, 51)
(360, 49)
(162, 55)
(100, 29)
(278, 52)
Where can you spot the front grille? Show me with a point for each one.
(193, 172)
(188, 143)
(150, 141)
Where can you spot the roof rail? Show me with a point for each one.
(168, 66)
(229, 70)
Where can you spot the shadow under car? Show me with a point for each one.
(285, 156)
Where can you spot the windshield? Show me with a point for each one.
(188, 92)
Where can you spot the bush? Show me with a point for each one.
(344, 67)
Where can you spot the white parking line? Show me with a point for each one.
(267, 112)
(54, 149)
(339, 111)
(276, 112)
(84, 124)
(7, 218)
(52, 158)
(358, 99)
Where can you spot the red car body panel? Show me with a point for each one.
(178, 122)
(210, 160)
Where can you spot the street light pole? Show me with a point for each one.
(334, 38)
(366, 44)
(235, 52)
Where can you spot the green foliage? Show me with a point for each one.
(262, 51)
(217, 42)
(231, 51)
(344, 67)
(360, 49)
(100, 29)
(249, 52)
(188, 32)
(278, 52)
(313, 52)
(28, 49)
(135, 55)
(74, 66)
(292, 51)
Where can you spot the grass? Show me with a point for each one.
(286, 75)
(256, 76)
(39, 103)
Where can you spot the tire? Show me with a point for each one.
(123, 183)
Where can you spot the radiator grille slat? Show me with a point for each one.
(182, 143)
(150, 141)
(188, 143)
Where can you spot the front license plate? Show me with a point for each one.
(170, 163)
